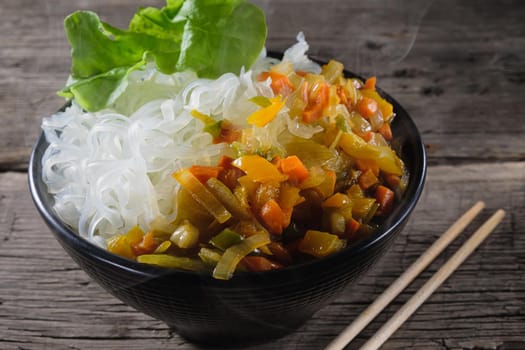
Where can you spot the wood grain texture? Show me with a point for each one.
(47, 301)
(456, 66)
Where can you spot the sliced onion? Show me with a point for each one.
(233, 255)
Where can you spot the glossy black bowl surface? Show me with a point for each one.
(251, 306)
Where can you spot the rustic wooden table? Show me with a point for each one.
(459, 69)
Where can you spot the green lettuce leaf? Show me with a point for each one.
(209, 37)
(99, 91)
(102, 57)
(158, 23)
(220, 36)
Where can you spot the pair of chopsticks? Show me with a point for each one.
(411, 273)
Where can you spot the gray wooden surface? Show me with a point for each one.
(459, 69)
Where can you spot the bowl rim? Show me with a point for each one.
(38, 192)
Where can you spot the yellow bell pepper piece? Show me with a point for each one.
(361, 207)
(336, 200)
(389, 162)
(121, 244)
(319, 244)
(202, 195)
(289, 196)
(385, 158)
(259, 169)
(265, 115)
(357, 148)
(135, 234)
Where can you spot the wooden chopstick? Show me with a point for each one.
(434, 282)
(405, 279)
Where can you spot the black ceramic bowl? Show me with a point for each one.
(251, 306)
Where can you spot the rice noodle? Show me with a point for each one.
(110, 170)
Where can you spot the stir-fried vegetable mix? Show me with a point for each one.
(186, 147)
(266, 209)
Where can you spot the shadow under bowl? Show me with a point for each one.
(253, 306)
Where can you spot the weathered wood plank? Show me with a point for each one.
(455, 66)
(46, 301)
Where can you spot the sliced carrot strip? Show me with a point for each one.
(370, 83)
(317, 102)
(324, 95)
(392, 180)
(273, 217)
(146, 246)
(385, 198)
(367, 179)
(352, 226)
(366, 136)
(367, 107)
(203, 173)
(280, 84)
(294, 168)
(343, 97)
(365, 164)
(312, 113)
(336, 200)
